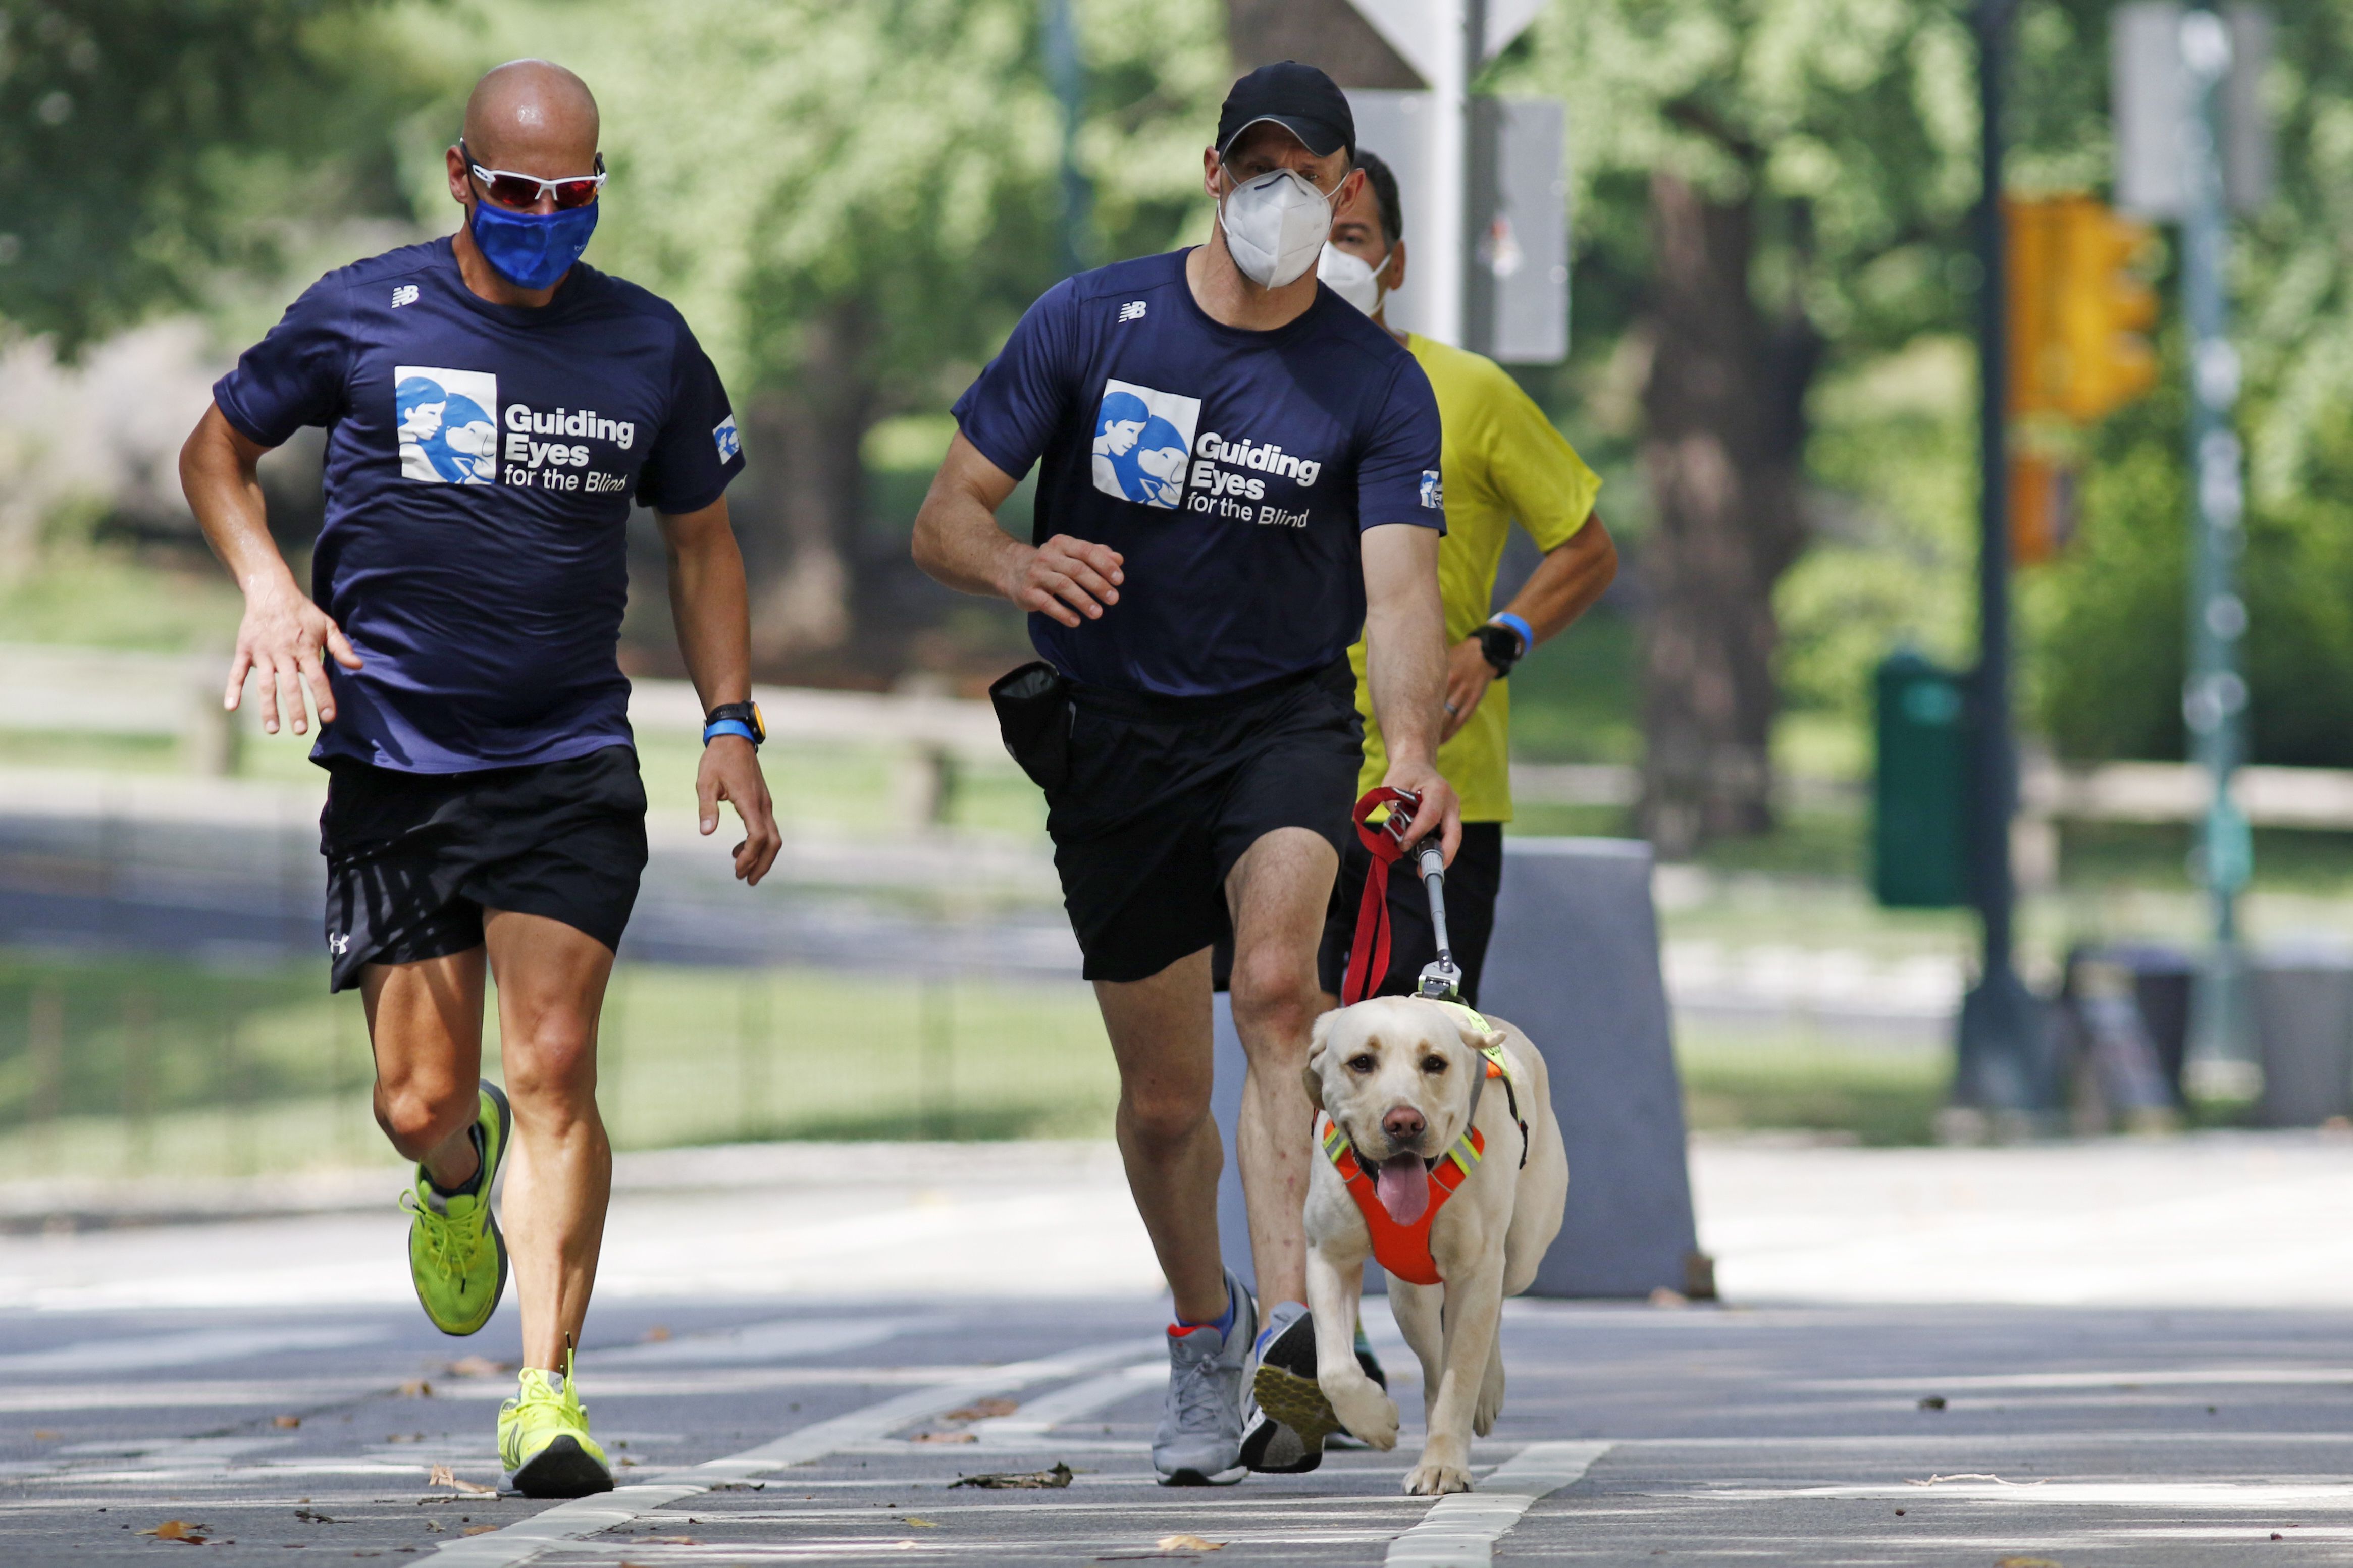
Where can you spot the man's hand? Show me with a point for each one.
(286, 637)
(1440, 811)
(1468, 675)
(731, 772)
(1065, 578)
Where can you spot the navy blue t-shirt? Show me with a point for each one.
(1233, 469)
(480, 463)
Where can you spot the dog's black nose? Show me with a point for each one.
(1403, 1122)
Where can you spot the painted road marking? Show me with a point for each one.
(519, 1544)
(1460, 1530)
(187, 1349)
(1032, 1423)
(297, 1394)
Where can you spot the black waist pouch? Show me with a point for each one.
(1033, 715)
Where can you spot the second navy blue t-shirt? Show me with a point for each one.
(480, 463)
(1234, 471)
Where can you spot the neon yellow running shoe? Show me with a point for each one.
(456, 1258)
(543, 1440)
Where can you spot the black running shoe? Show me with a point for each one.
(1288, 1419)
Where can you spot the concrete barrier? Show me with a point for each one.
(1575, 964)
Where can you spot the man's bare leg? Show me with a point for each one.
(1159, 1031)
(1278, 891)
(551, 980)
(425, 1024)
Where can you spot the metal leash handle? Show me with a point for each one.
(1442, 978)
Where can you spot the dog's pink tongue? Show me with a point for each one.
(1403, 1185)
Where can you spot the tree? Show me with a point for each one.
(853, 204)
(128, 133)
(1762, 186)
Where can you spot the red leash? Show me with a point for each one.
(1369, 955)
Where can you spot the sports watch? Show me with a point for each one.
(1504, 640)
(735, 719)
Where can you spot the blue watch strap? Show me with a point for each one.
(718, 726)
(1519, 626)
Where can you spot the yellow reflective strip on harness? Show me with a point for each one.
(1464, 1153)
(1335, 1140)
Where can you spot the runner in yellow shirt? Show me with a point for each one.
(1504, 461)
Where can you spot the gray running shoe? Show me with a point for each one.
(1201, 1438)
(1287, 1418)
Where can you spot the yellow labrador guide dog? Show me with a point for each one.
(1437, 1154)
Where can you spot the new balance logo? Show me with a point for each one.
(404, 295)
(1131, 312)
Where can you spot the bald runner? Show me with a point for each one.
(494, 408)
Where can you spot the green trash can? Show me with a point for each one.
(1919, 828)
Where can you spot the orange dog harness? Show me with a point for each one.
(1402, 1249)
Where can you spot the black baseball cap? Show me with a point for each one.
(1300, 98)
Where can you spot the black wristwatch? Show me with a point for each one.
(735, 719)
(1502, 645)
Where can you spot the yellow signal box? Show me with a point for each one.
(2078, 312)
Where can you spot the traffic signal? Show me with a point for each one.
(2077, 311)
(2041, 507)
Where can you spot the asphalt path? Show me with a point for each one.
(819, 1431)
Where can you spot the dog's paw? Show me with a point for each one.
(1434, 1479)
(1491, 1402)
(1367, 1412)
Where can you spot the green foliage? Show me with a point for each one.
(776, 161)
(130, 131)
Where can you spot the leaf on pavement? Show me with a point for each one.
(985, 1409)
(920, 1522)
(178, 1530)
(417, 1388)
(287, 1422)
(478, 1529)
(477, 1366)
(43, 1435)
(946, 1437)
(1188, 1543)
(1030, 1480)
(656, 1334)
(441, 1476)
(310, 1516)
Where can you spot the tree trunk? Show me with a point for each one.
(800, 551)
(1723, 448)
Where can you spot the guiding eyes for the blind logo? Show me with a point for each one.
(1146, 451)
(448, 425)
(452, 431)
(1143, 441)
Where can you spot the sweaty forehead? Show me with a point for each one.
(533, 117)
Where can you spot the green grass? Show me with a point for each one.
(118, 1066)
(1573, 700)
(1872, 1092)
(107, 598)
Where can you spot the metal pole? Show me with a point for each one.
(1066, 71)
(2002, 1048)
(2214, 695)
(1450, 165)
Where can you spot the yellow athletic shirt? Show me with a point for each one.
(1503, 460)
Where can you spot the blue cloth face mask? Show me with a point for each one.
(532, 250)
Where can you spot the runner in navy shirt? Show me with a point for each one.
(1239, 473)
(492, 410)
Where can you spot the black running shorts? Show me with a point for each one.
(413, 859)
(1471, 883)
(1165, 794)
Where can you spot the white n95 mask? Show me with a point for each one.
(1274, 227)
(1352, 278)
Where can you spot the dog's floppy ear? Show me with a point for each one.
(1311, 1075)
(1479, 1039)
